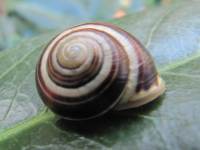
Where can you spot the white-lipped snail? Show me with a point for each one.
(90, 69)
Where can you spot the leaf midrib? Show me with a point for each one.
(41, 117)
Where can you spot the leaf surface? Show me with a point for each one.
(171, 34)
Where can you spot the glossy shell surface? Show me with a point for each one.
(90, 69)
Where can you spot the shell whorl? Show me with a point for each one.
(88, 69)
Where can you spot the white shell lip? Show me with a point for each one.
(144, 97)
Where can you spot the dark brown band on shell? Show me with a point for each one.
(147, 73)
(129, 73)
(98, 101)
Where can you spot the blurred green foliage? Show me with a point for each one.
(26, 18)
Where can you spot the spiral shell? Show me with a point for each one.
(92, 68)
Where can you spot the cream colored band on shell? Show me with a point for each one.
(133, 72)
(90, 53)
(87, 88)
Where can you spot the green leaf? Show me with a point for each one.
(172, 36)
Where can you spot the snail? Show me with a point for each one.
(90, 69)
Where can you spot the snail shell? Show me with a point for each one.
(93, 68)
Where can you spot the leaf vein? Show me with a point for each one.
(15, 95)
(155, 27)
(181, 74)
